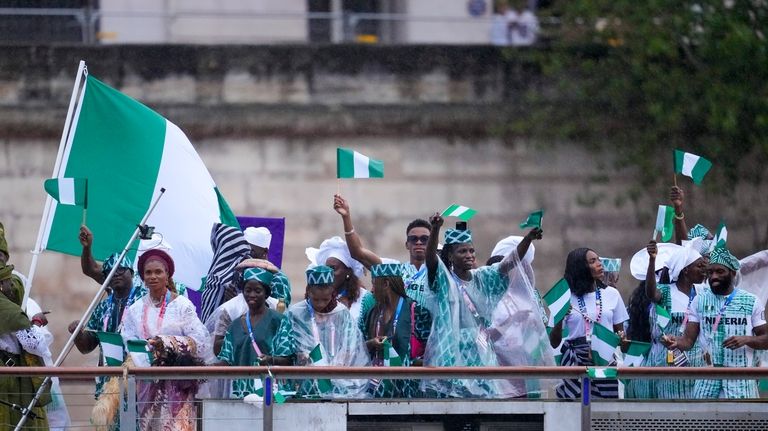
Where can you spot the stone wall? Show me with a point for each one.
(267, 120)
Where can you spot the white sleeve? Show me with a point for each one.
(130, 329)
(620, 314)
(32, 340)
(693, 313)
(758, 314)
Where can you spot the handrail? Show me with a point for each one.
(302, 372)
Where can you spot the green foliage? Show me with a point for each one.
(645, 77)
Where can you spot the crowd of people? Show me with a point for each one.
(440, 308)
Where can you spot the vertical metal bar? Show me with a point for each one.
(586, 408)
(267, 418)
(128, 419)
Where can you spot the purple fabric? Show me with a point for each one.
(276, 226)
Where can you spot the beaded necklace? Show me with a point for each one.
(145, 317)
(588, 321)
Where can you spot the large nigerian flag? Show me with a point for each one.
(128, 152)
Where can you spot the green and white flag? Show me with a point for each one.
(721, 237)
(460, 211)
(533, 220)
(664, 223)
(662, 316)
(139, 353)
(128, 152)
(602, 373)
(277, 396)
(636, 352)
(691, 165)
(68, 191)
(604, 342)
(391, 358)
(111, 348)
(558, 300)
(317, 358)
(351, 164)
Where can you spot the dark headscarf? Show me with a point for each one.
(577, 272)
(156, 254)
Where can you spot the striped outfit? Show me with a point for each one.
(676, 303)
(229, 249)
(739, 317)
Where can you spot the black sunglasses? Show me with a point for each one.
(418, 238)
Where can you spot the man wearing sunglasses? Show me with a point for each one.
(414, 272)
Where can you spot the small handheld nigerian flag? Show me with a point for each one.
(604, 342)
(691, 165)
(664, 224)
(721, 237)
(636, 353)
(533, 220)
(391, 358)
(558, 300)
(112, 348)
(602, 373)
(662, 316)
(351, 164)
(316, 356)
(460, 211)
(139, 353)
(68, 191)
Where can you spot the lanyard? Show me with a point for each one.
(588, 322)
(691, 295)
(720, 313)
(166, 300)
(468, 301)
(108, 314)
(394, 321)
(250, 334)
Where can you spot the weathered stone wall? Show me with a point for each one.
(267, 120)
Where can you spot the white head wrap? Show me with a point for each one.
(258, 236)
(337, 248)
(638, 266)
(510, 243)
(683, 257)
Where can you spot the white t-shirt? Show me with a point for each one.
(614, 312)
(679, 299)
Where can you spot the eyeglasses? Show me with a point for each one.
(121, 270)
(418, 238)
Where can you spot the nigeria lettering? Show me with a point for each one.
(727, 321)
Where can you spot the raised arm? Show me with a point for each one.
(651, 291)
(676, 196)
(522, 248)
(432, 258)
(354, 243)
(88, 264)
(556, 335)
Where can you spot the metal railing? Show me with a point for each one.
(342, 27)
(130, 376)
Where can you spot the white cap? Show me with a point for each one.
(258, 236)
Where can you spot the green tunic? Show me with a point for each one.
(459, 336)
(273, 336)
(657, 357)
(736, 320)
(415, 286)
(401, 342)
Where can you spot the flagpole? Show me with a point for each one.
(83, 320)
(65, 139)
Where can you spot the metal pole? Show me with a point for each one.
(84, 319)
(586, 408)
(128, 408)
(63, 142)
(268, 401)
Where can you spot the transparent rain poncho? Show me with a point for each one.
(341, 344)
(493, 319)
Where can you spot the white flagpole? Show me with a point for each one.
(65, 140)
